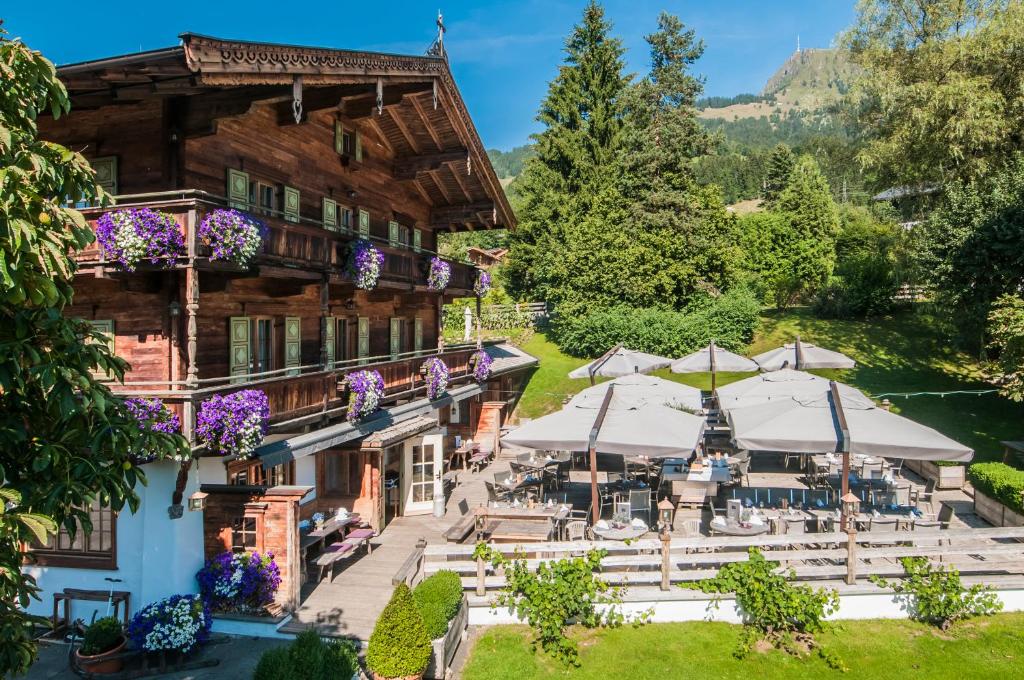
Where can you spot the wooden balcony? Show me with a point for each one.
(311, 395)
(302, 249)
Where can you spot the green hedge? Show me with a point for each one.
(1000, 481)
(399, 645)
(309, 658)
(730, 320)
(438, 599)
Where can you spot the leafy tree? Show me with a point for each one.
(65, 440)
(926, 65)
(780, 166)
(1006, 328)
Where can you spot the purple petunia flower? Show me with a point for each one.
(440, 274)
(365, 263)
(179, 622)
(481, 362)
(483, 284)
(154, 416)
(130, 236)
(366, 389)
(437, 377)
(239, 581)
(232, 235)
(233, 424)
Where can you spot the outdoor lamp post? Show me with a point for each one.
(666, 512)
(851, 506)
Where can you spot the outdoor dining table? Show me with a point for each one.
(464, 453)
(729, 528)
(626, 532)
(318, 536)
(514, 530)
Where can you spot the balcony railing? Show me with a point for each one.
(309, 395)
(305, 245)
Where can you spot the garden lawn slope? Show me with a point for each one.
(903, 353)
(874, 650)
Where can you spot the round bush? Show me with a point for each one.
(399, 645)
(309, 658)
(438, 598)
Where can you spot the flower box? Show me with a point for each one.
(995, 513)
(445, 647)
(945, 476)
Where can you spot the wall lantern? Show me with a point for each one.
(666, 513)
(197, 501)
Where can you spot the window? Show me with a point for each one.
(340, 340)
(264, 197)
(263, 344)
(243, 534)
(249, 473)
(95, 550)
(341, 473)
(105, 327)
(347, 220)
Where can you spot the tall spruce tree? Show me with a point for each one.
(582, 118)
(780, 165)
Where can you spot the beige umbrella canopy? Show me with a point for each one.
(645, 388)
(782, 384)
(712, 359)
(802, 356)
(810, 425)
(619, 362)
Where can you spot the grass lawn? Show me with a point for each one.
(991, 647)
(902, 353)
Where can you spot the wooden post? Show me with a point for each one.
(844, 446)
(666, 542)
(481, 573)
(191, 335)
(851, 556)
(595, 501)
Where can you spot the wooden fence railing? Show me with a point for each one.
(995, 552)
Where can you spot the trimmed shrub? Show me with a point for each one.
(102, 635)
(309, 658)
(399, 645)
(438, 599)
(730, 320)
(1000, 481)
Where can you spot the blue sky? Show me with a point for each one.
(502, 53)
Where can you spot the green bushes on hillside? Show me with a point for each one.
(1000, 481)
(730, 320)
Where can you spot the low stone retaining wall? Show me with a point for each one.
(995, 513)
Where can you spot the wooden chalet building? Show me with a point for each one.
(324, 146)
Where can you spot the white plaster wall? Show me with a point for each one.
(156, 557)
(305, 475)
(851, 606)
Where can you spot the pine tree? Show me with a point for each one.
(780, 165)
(582, 118)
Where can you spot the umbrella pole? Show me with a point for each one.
(844, 447)
(596, 365)
(798, 351)
(714, 367)
(595, 501)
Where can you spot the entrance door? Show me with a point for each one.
(424, 462)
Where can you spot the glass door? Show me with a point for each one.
(423, 469)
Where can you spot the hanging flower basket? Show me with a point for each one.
(177, 623)
(154, 416)
(365, 263)
(481, 362)
(366, 389)
(482, 284)
(130, 236)
(241, 582)
(233, 424)
(233, 236)
(437, 377)
(440, 274)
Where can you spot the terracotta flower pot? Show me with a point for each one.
(102, 663)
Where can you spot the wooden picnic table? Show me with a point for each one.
(555, 512)
(464, 452)
(315, 536)
(515, 530)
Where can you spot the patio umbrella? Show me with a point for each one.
(801, 356)
(782, 384)
(615, 424)
(646, 388)
(811, 425)
(712, 359)
(618, 362)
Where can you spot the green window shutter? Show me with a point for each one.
(364, 224)
(106, 173)
(240, 347)
(291, 204)
(417, 338)
(363, 343)
(330, 327)
(396, 337)
(330, 217)
(238, 189)
(104, 327)
(292, 343)
(339, 137)
(359, 146)
(393, 238)
(417, 240)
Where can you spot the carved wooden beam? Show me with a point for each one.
(407, 167)
(318, 99)
(364, 106)
(425, 121)
(445, 215)
(407, 135)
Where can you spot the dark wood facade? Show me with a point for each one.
(372, 145)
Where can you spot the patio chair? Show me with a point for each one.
(640, 503)
(691, 527)
(714, 509)
(902, 493)
(932, 523)
(883, 525)
(495, 493)
(576, 530)
(691, 494)
(896, 466)
(871, 470)
(928, 495)
(741, 473)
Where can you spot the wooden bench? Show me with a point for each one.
(361, 537)
(331, 555)
(458, 531)
(118, 599)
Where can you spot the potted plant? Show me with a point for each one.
(399, 645)
(130, 236)
(239, 582)
(436, 373)
(103, 641)
(176, 623)
(233, 424)
(365, 390)
(482, 284)
(154, 416)
(440, 274)
(365, 263)
(232, 235)
(445, 616)
(480, 364)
